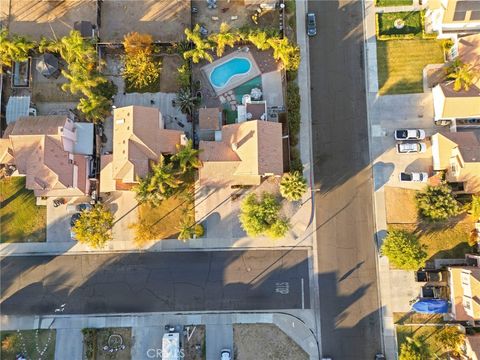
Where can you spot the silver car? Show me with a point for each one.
(411, 148)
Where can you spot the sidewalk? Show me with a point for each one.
(68, 327)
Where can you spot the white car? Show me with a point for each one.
(413, 176)
(412, 147)
(226, 354)
(409, 134)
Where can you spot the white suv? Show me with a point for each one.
(412, 147)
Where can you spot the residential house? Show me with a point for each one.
(449, 18)
(139, 137)
(53, 152)
(457, 154)
(464, 283)
(243, 154)
(458, 106)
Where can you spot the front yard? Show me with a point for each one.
(380, 3)
(410, 24)
(401, 62)
(28, 343)
(21, 219)
(107, 343)
(425, 334)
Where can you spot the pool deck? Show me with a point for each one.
(236, 80)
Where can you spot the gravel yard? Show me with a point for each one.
(264, 341)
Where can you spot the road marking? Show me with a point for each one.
(282, 288)
(303, 296)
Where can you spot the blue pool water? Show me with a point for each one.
(222, 74)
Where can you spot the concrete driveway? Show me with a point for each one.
(219, 336)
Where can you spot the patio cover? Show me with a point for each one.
(431, 306)
(17, 107)
(47, 65)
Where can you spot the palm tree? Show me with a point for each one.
(286, 52)
(186, 229)
(95, 108)
(451, 340)
(201, 47)
(15, 48)
(187, 157)
(186, 101)
(163, 179)
(462, 74)
(224, 38)
(293, 186)
(259, 39)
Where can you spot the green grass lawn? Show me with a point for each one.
(412, 23)
(427, 333)
(21, 219)
(401, 62)
(393, 2)
(25, 343)
(441, 241)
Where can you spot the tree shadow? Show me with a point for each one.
(382, 172)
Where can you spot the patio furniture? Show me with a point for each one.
(215, 18)
(234, 17)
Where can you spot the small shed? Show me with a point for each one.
(17, 106)
(47, 65)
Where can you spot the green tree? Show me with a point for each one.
(184, 76)
(94, 227)
(201, 46)
(452, 340)
(475, 207)
(186, 157)
(186, 102)
(462, 74)
(293, 186)
(437, 203)
(261, 217)
(223, 38)
(95, 108)
(285, 52)
(13, 48)
(159, 185)
(259, 39)
(188, 229)
(136, 43)
(403, 250)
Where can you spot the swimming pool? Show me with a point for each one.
(223, 73)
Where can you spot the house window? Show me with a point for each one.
(467, 305)
(465, 277)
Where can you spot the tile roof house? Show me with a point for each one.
(246, 153)
(452, 17)
(458, 155)
(464, 104)
(138, 138)
(464, 283)
(43, 149)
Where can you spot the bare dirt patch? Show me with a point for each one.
(400, 206)
(195, 347)
(168, 74)
(264, 341)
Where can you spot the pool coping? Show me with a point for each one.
(237, 79)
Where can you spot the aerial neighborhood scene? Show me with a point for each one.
(240, 179)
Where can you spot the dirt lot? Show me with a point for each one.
(264, 341)
(165, 20)
(400, 205)
(36, 18)
(195, 347)
(168, 75)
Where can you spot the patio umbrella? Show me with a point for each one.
(431, 306)
(47, 65)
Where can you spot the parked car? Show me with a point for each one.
(413, 176)
(380, 357)
(409, 134)
(311, 24)
(410, 148)
(226, 354)
(74, 208)
(423, 275)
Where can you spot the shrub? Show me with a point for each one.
(144, 233)
(261, 217)
(293, 111)
(451, 339)
(295, 160)
(437, 203)
(475, 207)
(403, 250)
(10, 343)
(90, 343)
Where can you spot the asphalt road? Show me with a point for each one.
(349, 304)
(152, 282)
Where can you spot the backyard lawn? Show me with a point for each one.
(27, 343)
(21, 219)
(380, 3)
(412, 23)
(401, 62)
